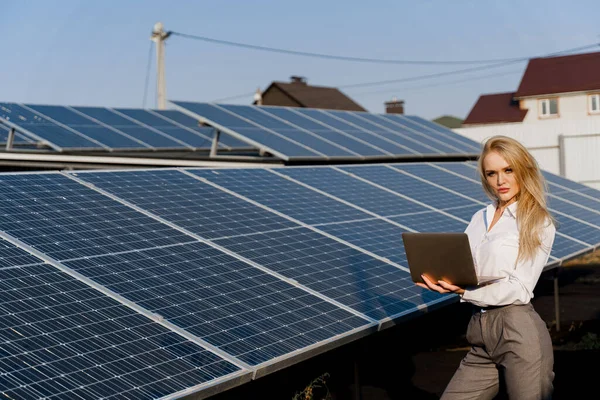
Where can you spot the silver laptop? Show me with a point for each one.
(442, 256)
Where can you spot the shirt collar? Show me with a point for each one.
(512, 209)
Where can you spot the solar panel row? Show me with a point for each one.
(209, 275)
(106, 129)
(291, 133)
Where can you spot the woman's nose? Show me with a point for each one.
(500, 179)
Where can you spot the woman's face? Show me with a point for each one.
(501, 178)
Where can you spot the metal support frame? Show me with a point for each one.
(215, 143)
(357, 391)
(561, 156)
(11, 138)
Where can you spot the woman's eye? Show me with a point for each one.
(508, 170)
(490, 174)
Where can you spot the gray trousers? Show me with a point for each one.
(513, 340)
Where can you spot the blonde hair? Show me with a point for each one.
(532, 212)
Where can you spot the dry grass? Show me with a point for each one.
(589, 258)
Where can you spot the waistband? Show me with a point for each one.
(477, 309)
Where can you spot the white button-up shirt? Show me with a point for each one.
(495, 253)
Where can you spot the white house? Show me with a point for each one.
(555, 112)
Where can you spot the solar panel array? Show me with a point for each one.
(161, 283)
(111, 129)
(303, 133)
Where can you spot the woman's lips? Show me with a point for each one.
(503, 190)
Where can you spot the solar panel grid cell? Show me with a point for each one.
(399, 141)
(451, 137)
(88, 127)
(282, 195)
(189, 203)
(357, 192)
(352, 144)
(148, 136)
(78, 221)
(416, 189)
(45, 128)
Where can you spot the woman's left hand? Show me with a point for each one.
(440, 286)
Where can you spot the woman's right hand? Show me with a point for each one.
(440, 287)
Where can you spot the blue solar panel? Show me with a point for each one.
(260, 136)
(464, 169)
(244, 311)
(191, 123)
(428, 142)
(313, 141)
(580, 198)
(150, 264)
(414, 188)
(13, 256)
(66, 220)
(144, 134)
(357, 280)
(352, 190)
(589, 216)
(386, 147)
(186, 135)
(189, 203)
(341, 138)
(399, 140)
(63, 339)
(564, 247)
(44, 128)
(375, 235)
(564, 182)
(371, 122)
(88, 127)
(469, 145)
(282, 195)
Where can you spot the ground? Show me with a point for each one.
(416, 359)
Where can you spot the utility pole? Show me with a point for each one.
(159, 36)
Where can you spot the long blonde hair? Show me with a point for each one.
(532, 212)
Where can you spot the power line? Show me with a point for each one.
(462, 71)
(341, 58)
(148, 66)
(404, 89)
(233, 97)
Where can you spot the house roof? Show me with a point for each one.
(316, 96)
(449, 121)
(552, 75)
(495, 108)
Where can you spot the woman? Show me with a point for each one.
(511, 238)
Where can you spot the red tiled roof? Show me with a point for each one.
(317, 96)
(551, 75)
(495, 108)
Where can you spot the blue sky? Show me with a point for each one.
(96, 52)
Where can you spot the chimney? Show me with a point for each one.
(298, 79)
(395, 106)
(258, 97)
